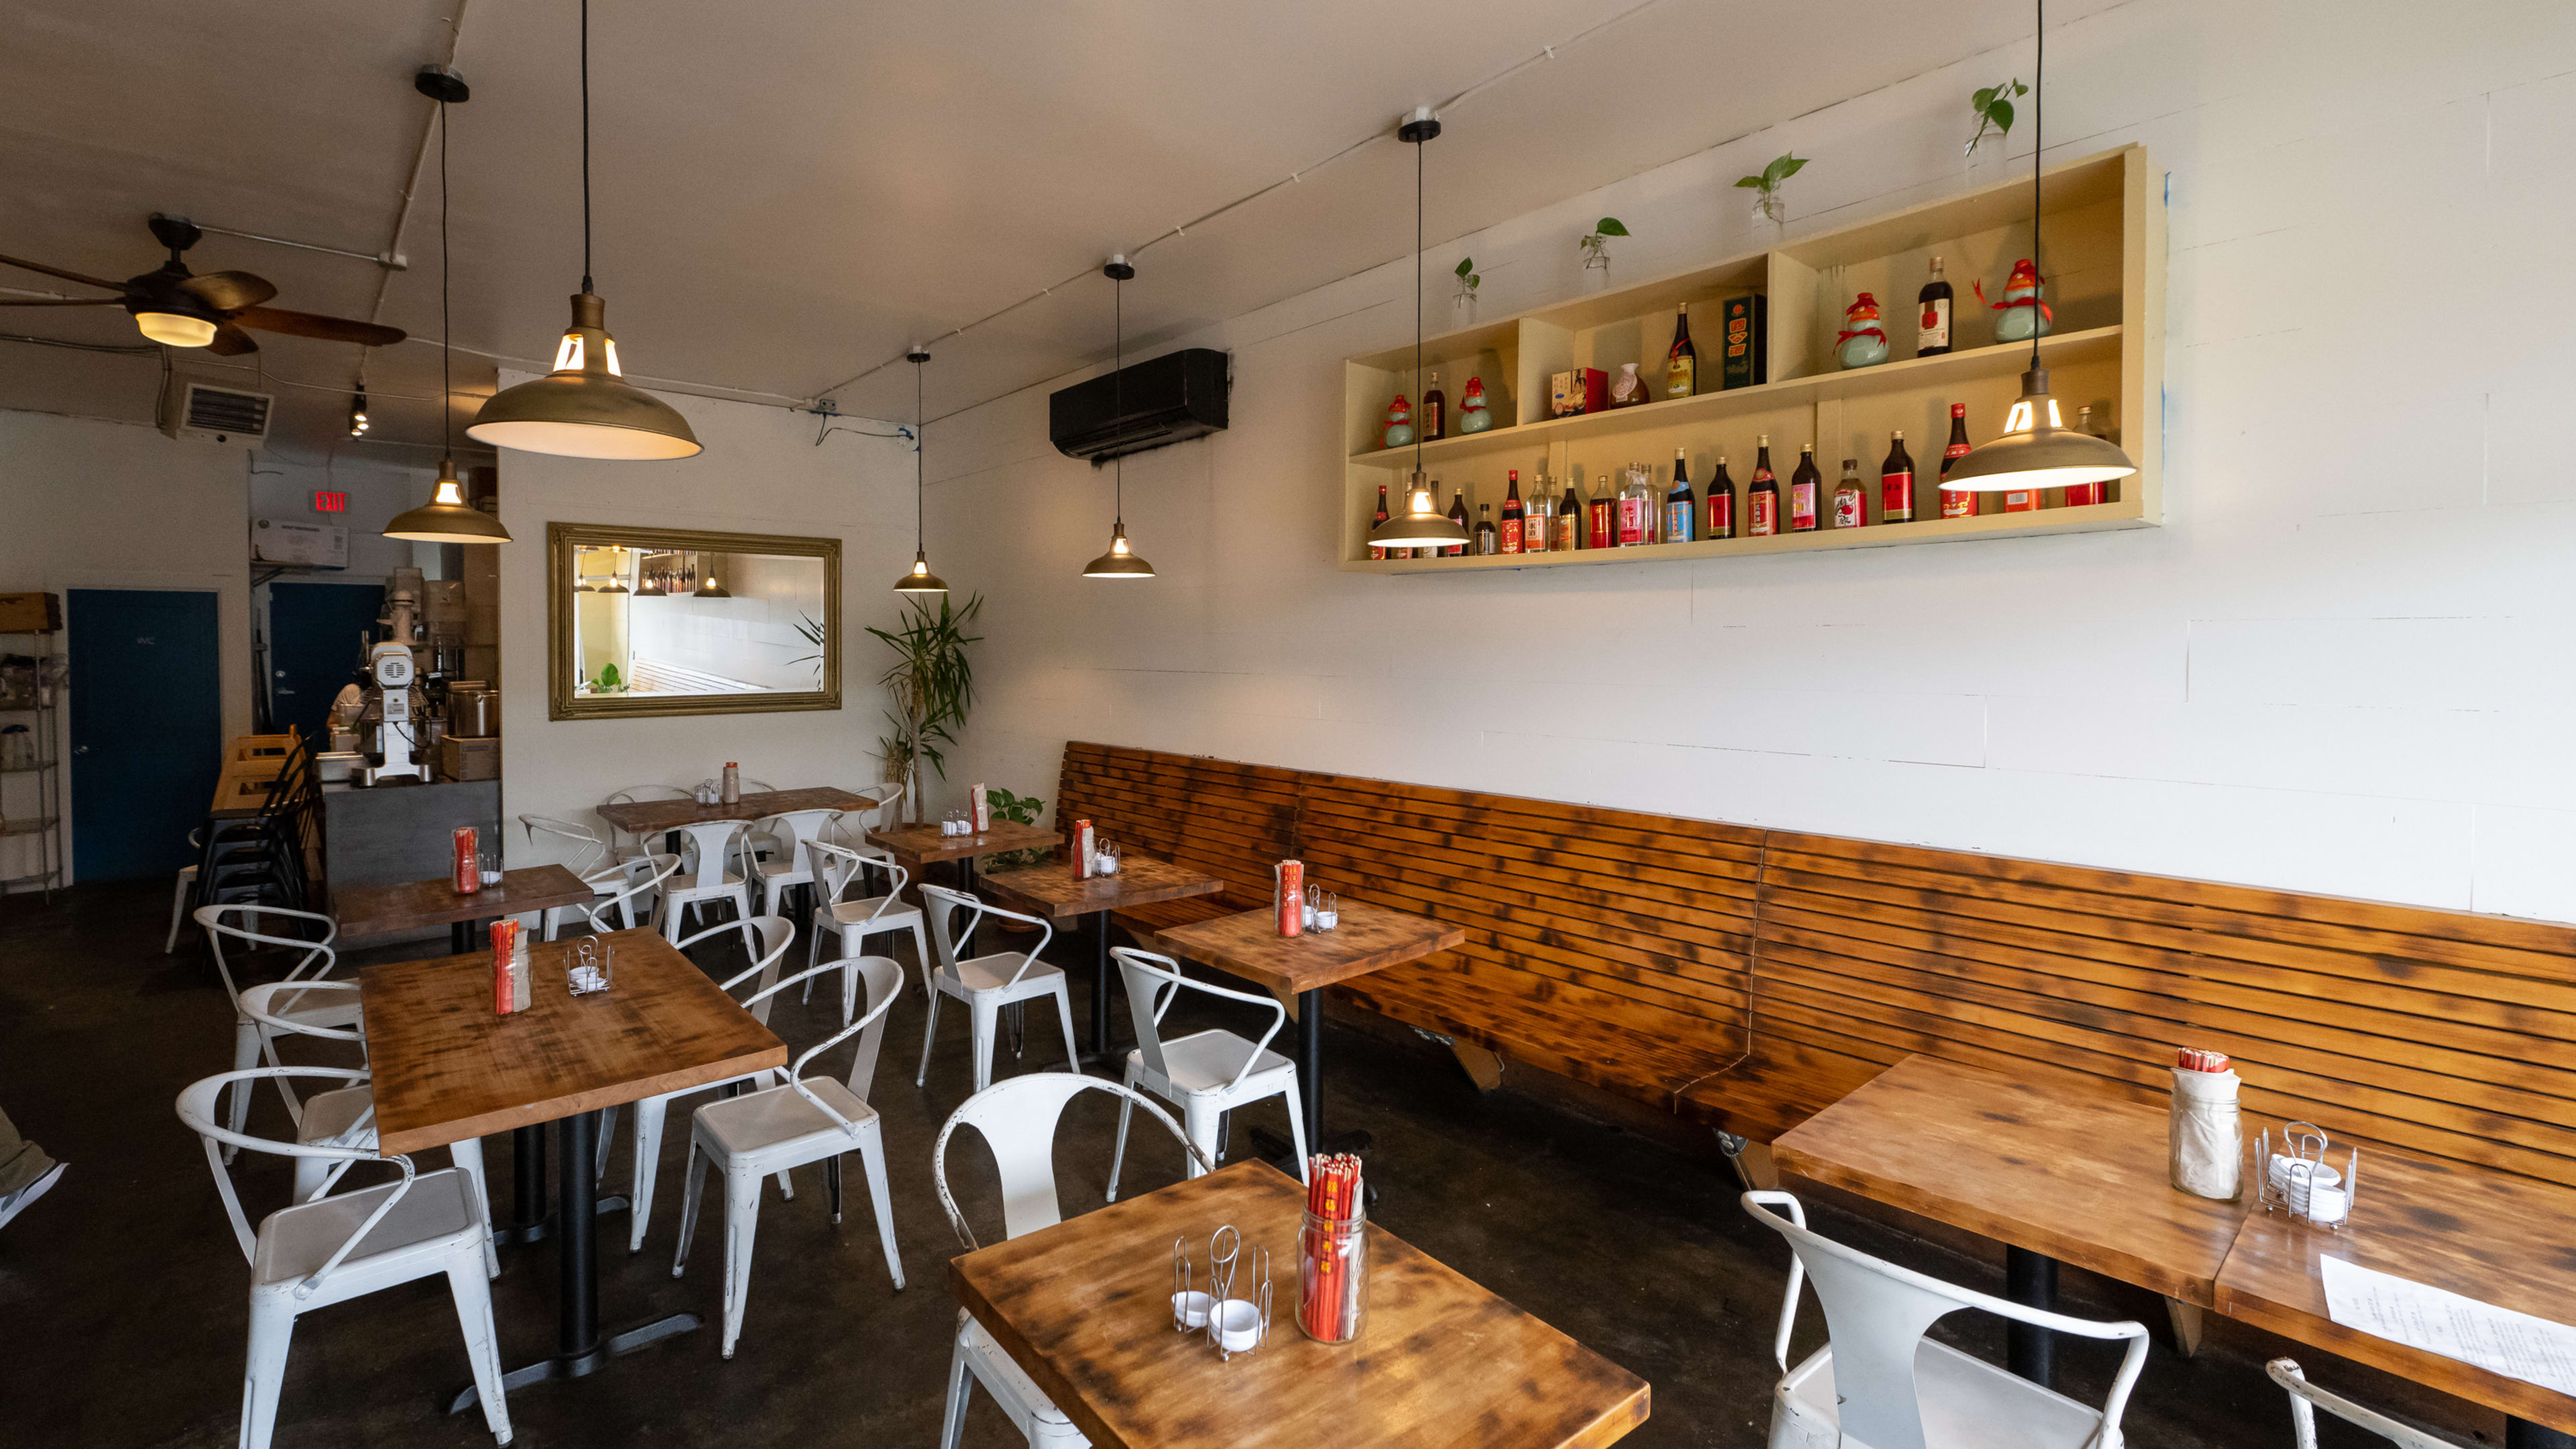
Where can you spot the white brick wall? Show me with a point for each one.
(2343, 666)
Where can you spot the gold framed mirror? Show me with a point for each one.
(665, 621)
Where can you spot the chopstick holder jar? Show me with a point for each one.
(1288, 896)
(2206, 1135)
(1332, 1275)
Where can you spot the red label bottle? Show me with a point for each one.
(1762, 496)
(1515, 517)
(1896, 484)
(1804, 484)
(1956, 505)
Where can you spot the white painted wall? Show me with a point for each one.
(2342, 666)
(90, 504)
(761, 473)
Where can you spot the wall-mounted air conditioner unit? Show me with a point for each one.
(205, 410)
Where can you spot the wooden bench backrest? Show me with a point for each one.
(1232, 821)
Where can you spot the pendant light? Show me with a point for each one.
(648, 580)
(447, 517)
(918, 579)
(2036, 449)
(1421, 524)
(1120, 562)
(585, 408)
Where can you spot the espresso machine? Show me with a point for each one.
(395, 708)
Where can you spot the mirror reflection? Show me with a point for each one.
(660, 622)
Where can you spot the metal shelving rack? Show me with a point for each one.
(45, 826)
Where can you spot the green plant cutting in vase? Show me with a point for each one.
(609, 680)
(1469, 279)
(1768, 204)
(930, 686)
(1994, 108)
(1596, 243)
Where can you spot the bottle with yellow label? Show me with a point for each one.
(1681, 367)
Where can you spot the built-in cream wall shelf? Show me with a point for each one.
(2105, 263)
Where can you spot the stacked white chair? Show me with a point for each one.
(745, 1138)
(1880, 1382)
(2306, 1398)
(317, 1254)
(986, 983)
(1017, 1119)
(1207, 1073)
(850, 920)
(245, 923)
(767, 939)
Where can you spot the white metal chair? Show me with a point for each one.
(748, 1137)
(346, 1116)
(986, 983)
(1882, 1383)
(644, 877)
(1207, 1073)
(313, 1255)
(854, 827)
(711, 878)
(851, 922)
(2306, 1398)
(179, 894)
(786, 863)
(242, 921)
(603, 872)
(1018, 1119)
(618, 845)
(767, 939)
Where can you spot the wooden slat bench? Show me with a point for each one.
(1746, 979)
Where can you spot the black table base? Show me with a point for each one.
(2030, 1279)
(580, 1347)
(2524, 1434)
(1097, 1057)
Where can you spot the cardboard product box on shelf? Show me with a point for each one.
(476, 759)
(30, 613)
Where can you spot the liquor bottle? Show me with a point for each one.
(1569, 522)
(1536, 524)
(1805, 483)
(1636, 507)
(1435, 412)
(1601, 514)
(1896, 484)
(1458, 516)
(1681, 367)
(1487, 542)
(1513, 515)
(1762, 495)
(1718, 518)
(1851, 506)
(2079, 494)
(1932, 329)
(1378, 550)
(1957, 505)
(1680, 508)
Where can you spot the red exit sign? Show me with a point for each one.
(325, 501)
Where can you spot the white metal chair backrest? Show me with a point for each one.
(589, 850)
(634, 794)
(251, 930)
(645, 874)
(766, 938)
(791, 830)
(943, 905)
(1154, 983)
(885, 982)
(839, 866)
(197, 1109)
(2306, 1398)
(1876, 1314)
(713, 841)
(1018, 1117)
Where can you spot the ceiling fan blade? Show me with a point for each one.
(312, 324)
(228, 289)
(81, 277)
(62, 302)
(231, 341)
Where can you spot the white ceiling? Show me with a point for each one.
(791, 192)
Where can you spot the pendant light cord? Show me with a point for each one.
(1418, 148)
(1118, 392)
(2038, 139)
(919, 480)
(585, 146)
(446, 378)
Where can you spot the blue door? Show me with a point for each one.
(147, 728)
(315, 649)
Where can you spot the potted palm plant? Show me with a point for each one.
(930, 686)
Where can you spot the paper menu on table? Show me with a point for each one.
(2517, 1345)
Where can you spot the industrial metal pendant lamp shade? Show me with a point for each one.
(2036, 449)
(1120, 562)
(1421, 524)
(447, 517)
(585, 408)
(918, 579)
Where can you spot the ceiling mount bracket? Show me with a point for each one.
(1419, 127)
(441, 83)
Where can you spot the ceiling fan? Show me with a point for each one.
(182, 309)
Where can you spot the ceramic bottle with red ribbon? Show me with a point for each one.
(2023, 313)
(1862, 342)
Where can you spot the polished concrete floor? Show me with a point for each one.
(122, 1303)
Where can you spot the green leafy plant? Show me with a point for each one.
(1019, 810)
(1765, 186)
(1994, 108)
(931, 686)
(810, 629)
(1596, 242)
(1469, 279)
(609, 680)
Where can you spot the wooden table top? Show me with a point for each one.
(2481, 1234)
(916, 844)
(447, 1067)
(1369, 938)
(647, 817)
(1085, 1308)
(2077, 1176)
(1053, 891)
(376, 910)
